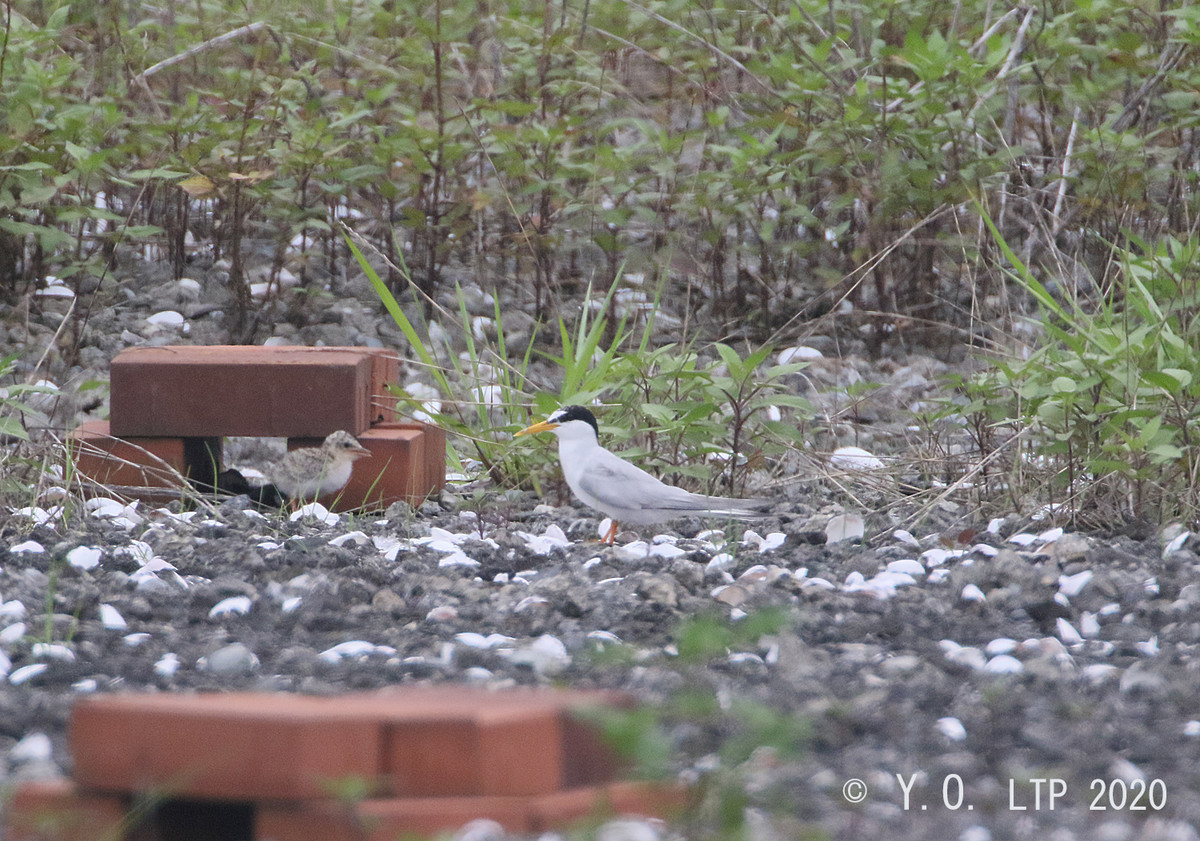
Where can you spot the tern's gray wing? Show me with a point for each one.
(620, 485)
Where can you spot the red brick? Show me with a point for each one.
(55, 810)
(136, 462)
(494, 751)
(451, 740)
(649, 798)
(240, 746)
(385, 371)
(457, 740)
(435, 453)
(312, 820)
(410, 743)
(194, 391)
(588, 758)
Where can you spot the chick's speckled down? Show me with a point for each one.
(310, 472)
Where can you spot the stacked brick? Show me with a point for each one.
(402, 763)
(170, 407)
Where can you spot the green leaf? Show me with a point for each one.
(158, 172)
(1183, 377)
(730, 357)
(58, 19)
(12, 428)
(1063, 385)
(1167, 452)
(76, 151)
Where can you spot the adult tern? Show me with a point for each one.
(625, 492)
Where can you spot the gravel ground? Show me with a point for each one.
(968, 673)
(1028, 684)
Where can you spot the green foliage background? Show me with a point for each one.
(767, 151)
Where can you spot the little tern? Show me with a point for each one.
(311, 472)
(624, 492)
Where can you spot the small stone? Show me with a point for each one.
(546, 655)
(658, 589)
(233, 659)
(387, 600)
(1004, 665)
(1070, 548)
(1139, 679)
(952, 728)
(35, 747)
(481, 829)
(84, 557)
(627, 830)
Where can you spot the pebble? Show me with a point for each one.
(546, 655)
(627, 830)
(855, 458)
(731, 594)
(85, 557)
(719, 563)
(167, 665)
(232, 606)
(52, 651)
(354, 650)
(35, 747)
(1067, 633)
(844, 527)
(232, 659)
(166, 318)
(387, 600)
(474, 640)
(12, 633)
(111, 618)
(481, 829)
(1072, 585)
(972, 593)
(26, 673)
(1004, 665)
(952, 728)
(907, 567)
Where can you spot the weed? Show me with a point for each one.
(735, 738)
(23, 464)
(1110, 399)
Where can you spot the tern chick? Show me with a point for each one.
(310, 472)
(624, 492)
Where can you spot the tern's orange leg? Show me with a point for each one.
(612, 533)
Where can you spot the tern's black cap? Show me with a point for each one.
(570, 413)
